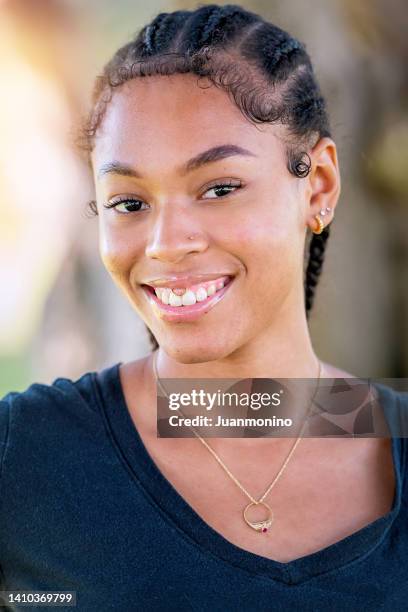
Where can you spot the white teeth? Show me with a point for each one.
(165, 296)
(201, 294)
(189, 298)
(175, 300)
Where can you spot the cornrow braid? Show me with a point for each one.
(213, 25)
(193, 30)
(167, 30)
(275, 53)
(222, 23)
(315, 265)
(264, 70)
(214, 16)
(150, 33)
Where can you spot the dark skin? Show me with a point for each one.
(257, 232)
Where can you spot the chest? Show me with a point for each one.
(315, 504)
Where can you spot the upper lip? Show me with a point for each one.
(173, 281)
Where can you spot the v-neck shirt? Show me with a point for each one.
(84, 507)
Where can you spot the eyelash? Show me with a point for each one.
(114, 202)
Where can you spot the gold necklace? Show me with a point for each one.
(261, 526)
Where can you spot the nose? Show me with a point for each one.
(174, 235)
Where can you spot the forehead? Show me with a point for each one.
(177, 114)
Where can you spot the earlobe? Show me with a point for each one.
(320, 224)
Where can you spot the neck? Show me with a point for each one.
(286, 352)
(283, 351)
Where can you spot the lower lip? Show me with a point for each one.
(182, 314)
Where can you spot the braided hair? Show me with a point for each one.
(266, 72)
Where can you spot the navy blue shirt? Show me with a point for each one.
(83, 507)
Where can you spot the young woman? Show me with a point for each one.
(215, 171)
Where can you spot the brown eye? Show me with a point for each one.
(223, 189)
(130, 205)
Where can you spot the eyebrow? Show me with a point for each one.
(210, 155)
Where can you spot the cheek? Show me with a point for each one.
(270, 251)
(117, 249)
(270, 239)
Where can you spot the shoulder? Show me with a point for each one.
(42, 413)
(394, 401)
(389, 390)
(38, 398)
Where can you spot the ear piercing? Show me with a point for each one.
(323, 211)
(319, 221)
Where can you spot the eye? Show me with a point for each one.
(222, 189)
(132, 204)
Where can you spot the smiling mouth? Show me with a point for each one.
(186, 311)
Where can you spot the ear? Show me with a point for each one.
(324, 181)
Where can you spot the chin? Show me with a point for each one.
(196, 352)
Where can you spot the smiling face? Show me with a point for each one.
(246, 213)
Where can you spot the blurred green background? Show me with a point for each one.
(61, 315)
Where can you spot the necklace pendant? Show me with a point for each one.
(261, 526)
